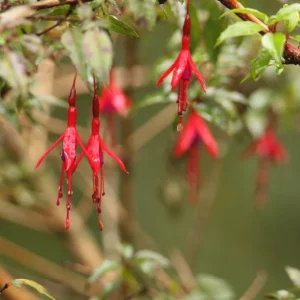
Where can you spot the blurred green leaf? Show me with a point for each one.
(39, 288)
(295, 37)
(120, 27)
(250, 11)
(195, 32)
(152, 256)
(281, 295)
(126, 251)
(98, 53)
(292, 21)
(274, 43)
(158, 98)
(105, 267)
(239, 29)
(72, 41)
(294, 275)
(15, 16)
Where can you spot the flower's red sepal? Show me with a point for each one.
(183, 68)
(269, 149)
(95, 147)
(70, 138)
(113, 101)
(194, 133)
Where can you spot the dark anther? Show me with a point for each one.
(62, 155)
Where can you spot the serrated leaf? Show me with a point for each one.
(294, 275)
(98, 53)
(152, 256)
(120, 27)
(239, 29)
(107, 266)
(284, 13)
(251, 11)
(260, 63)
(72, 41)
(274, 43)
(39, 288)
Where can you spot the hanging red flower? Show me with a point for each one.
(70, 138)
(94, 152)
(114, 101)
(183, 68)
(269, 150)
(194, 134)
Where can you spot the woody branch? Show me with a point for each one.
(291, 53)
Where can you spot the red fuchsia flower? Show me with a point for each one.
(270, 150)
(70, 138)
(183, 68)
(114, 101)
(194, 134)
(94, 152)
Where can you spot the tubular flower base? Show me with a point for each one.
(183, 68)
(269, 150)
(195, 133)
(94, 152)
(114, 101)
(70, 138)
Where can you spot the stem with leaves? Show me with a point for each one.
(291, 54)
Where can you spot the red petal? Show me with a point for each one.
(181, 64)
(49, 150)
(116, 158)
(165, 74)
(186, 138)
(205, 135)
(197, 74)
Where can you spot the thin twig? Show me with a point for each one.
(69, 11)
(256, 286)
(52, 3)
(291, 53)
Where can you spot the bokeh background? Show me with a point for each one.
(223, 234)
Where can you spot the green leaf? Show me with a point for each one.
(291, 21)
(109, 287)
(281, 295)
(152, 256)
(214, 287)
(13, 70)
(158, 98)
(126, 251)
(239, 29)
(144, 9)
(72, 41)
(32, 43)
(15, 16)
(274, 43)
(295, 37)
(195, 32)
(98, 53)
(284, 13)
(251, 11)
(39, 288)
(294, 275)
(260, 63)
(114, 4)
(120, 27)
(105, 267)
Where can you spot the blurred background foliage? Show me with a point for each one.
(221, 248)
